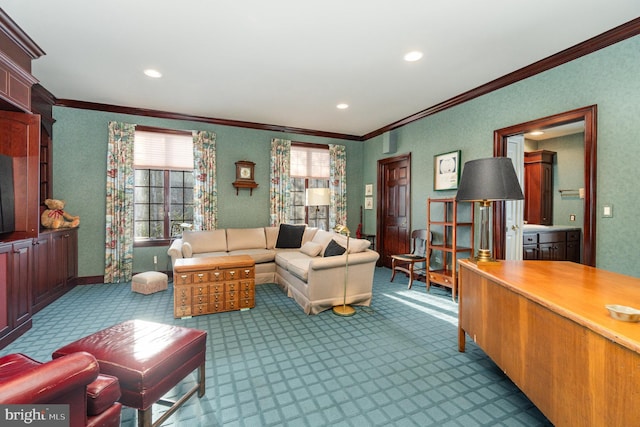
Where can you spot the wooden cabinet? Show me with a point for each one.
(213, 285)
(15, 289)
(55, 265)
(553, 245)
(450, 226)
(538, 187)
(34, 273)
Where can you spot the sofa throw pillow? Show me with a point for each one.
(334, 249)
(355, 245)
(290, 236)
(311, 248)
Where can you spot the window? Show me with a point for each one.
(163, 198)
(309, 169)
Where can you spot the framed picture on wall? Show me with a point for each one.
(368, 190)
(368, 202)
(446, 171)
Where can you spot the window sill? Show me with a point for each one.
(151, 242)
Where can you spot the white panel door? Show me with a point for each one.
(514, 208)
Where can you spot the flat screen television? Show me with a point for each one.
(7, 195)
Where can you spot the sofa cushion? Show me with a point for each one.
(299, 267)
(246, 238)
(284, 257)
(259, 256)
(323, 237)
(206, 240)
(334, 249)
(290, 236)
(311, 248)
(271, 234)
(309, 233)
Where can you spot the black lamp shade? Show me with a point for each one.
(493, 178)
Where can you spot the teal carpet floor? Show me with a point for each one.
(392, 364)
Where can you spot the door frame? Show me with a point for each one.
(589, 115)
(380, 193)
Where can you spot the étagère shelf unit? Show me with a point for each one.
(451, 231)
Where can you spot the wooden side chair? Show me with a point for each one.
(407, 262)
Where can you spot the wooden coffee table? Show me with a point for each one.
(213, 285)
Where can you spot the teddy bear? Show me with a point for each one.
(56, 217)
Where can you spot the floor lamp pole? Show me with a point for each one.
(344, 309)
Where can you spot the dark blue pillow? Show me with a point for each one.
(290, 236)
(334, 249)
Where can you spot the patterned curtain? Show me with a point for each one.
(119, 211)
(280, 186)
(205, 191)
(338, 185)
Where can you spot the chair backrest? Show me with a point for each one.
(419, 242)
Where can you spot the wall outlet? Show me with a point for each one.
(607, 211)
(155, 259)
(572, 217)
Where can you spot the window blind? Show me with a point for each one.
(156, 150)
(309, 162)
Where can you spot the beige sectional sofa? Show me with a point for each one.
(294, 257)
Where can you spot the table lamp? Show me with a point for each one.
(485, 181)
(317, 197)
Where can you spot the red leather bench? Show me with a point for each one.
(149, 359)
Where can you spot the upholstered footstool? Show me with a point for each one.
(149, 282)
(149, 359)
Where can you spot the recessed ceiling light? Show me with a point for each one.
(413, 56)
(153, 73)
(536, 133)
(342, 106)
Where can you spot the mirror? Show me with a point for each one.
(586, 115)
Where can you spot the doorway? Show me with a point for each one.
(500, 146)
(394, 207)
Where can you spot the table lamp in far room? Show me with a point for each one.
(485, 181)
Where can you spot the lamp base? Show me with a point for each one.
(484, 261)
(344, 310)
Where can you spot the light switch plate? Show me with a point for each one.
(607, 211)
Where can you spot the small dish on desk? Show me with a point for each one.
(624, 313)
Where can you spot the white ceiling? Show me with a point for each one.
(289, 62)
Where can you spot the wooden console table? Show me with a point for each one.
(544, 323)
(213, 285)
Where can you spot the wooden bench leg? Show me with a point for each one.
(393, 268)
(144, 417)
(201, 380)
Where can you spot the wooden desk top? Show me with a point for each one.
(574, 291)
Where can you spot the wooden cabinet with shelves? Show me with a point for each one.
(450, 226)
(552, 245)
(538, 187)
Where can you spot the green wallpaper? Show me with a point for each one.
(608, 78)
(79, 168)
